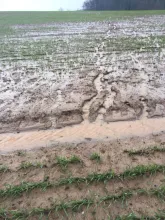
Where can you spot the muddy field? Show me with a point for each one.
(61, 74)
(82, 126)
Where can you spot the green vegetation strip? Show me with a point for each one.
(137, 171)
(75, 205)
(16, 18)
(26, 165)
(96, 157)
(145, 151)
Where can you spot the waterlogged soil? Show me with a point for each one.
(112, 157)
(77, 89)
(57, 75)
(84, 132)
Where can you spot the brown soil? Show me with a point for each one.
(112, 158)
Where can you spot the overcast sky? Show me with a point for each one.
(39, 5)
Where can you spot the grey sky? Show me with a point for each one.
(40, 5)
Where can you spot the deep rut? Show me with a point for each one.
(94, 108)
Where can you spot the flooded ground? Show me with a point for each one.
(61, 74)
(85, 132)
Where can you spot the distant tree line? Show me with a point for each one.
(124, 4)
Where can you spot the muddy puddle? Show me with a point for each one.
(85, 132)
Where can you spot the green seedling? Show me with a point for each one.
(3, 169)
(96, 157)
(132, 173)
(63, 162)
(26, 165)
(21, 153)
(76, 205)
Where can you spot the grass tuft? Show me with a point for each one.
(160, 215)
(23, 187)
(130, 216)
(159, 192)
(100, 177)
(142, 170)
(3, 169)
(21, 153)
(63, 162)
(19, 214)
(96, 157)
(74, 205)
(3, 214)
(26, 165)
(122, 197)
